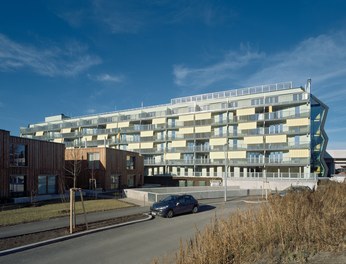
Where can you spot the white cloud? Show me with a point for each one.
(70, 60)
(110, 78)
(228, 68)
(322, 58)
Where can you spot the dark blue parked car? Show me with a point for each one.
(174, 205)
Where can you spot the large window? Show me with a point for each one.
(18, 155)
(130, 162)
(17, 185)
(47, 184)
(94, 161)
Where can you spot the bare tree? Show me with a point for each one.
(73, 164)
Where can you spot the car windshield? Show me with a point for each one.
(169, 198)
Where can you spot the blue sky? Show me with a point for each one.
(95, 56)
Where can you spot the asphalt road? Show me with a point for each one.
(137, 243)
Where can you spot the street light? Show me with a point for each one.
(226, 171)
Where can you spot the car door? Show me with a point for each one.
(181, 205)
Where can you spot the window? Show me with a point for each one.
(115, 180)
(94, 161)
(18, 155)
(47, 184)
(17, 185)
(130, 162)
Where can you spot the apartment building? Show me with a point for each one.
(29, 168)
(103, 168)
(271, 130)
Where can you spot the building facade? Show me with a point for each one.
(264, 131)
(103, 168)
(29, 168)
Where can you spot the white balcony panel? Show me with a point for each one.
(299, 153)
(147, 145)
(253, 140)
(133, 146)
(245, 111)
(65, 130)
(186, 118)
(102, 137)
(248, 125)
(123, 124)
(172, 156)
(276, 139)
(217, 141)
(178, 143)
(218, 155)
(147, 133)
(186, 130)
(237, 154)
(157, 121)
(298, 122)
(203, 116)
(112, 125)
(203, 129)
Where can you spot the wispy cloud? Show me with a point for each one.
(228, 68)
(69, 60)
(323, 58)
(110, 78)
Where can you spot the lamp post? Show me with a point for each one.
(226, 171)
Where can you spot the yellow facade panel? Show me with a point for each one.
(217, 141)
(39, 133)
(248, 125)
(245, 111)
(149, 133)
(298, 122)
(133, 146)
(65, 130)
(123, 124)
(186, 130)
(203, 116)
(203, 129)
(217, 155)
(102, 137)
(87, 138)
(253, 140)
(186, 118)
(112, 125)
(172, 156)
(147, 145)
(58, 140)
(178, 143)
(237, 154)
(299, 153)
(276, 139)
(161, 120)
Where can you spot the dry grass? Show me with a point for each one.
(44, 212)
(286, 229)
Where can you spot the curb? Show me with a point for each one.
(67, 237)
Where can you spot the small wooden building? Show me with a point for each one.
(29, 167)
(103, 168)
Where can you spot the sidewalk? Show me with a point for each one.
(139, 208)
(32, 227)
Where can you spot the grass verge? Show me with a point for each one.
(44, 212)
(284, 230)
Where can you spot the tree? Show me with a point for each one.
(73, 164)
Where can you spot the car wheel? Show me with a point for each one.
(170, 214)
(195, 209)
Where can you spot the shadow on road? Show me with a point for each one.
(205, 207)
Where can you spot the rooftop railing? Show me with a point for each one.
(234, 93)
